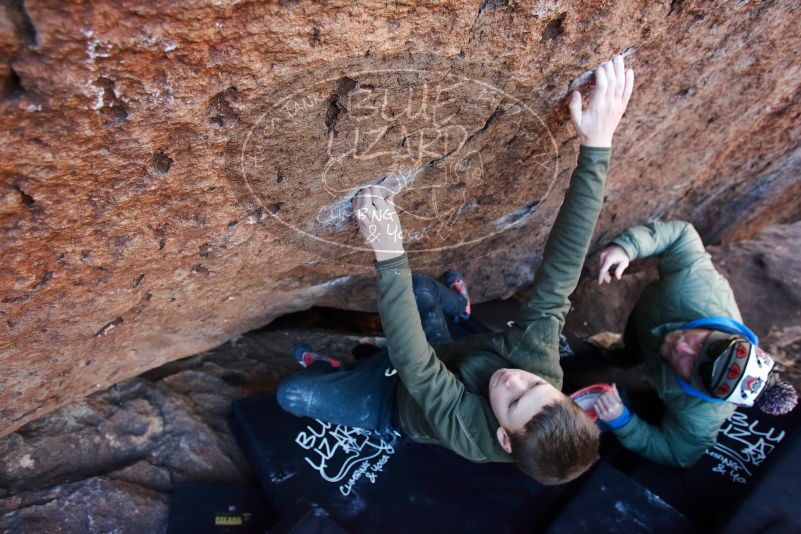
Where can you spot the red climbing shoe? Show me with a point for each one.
(306, 356)
(455, 281)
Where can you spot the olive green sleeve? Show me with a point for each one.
(539, 322)
(677, 244)
(439, 393)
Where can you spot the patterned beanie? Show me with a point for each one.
(732, 367)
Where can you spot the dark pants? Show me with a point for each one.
(364, 397)
(434, 302)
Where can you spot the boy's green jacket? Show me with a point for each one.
(688, 288)
(442, 397)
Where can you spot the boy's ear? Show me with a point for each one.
(503, 439)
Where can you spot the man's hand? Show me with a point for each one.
(378, 221)
(613, 85)
(609, 406)
(612, 256)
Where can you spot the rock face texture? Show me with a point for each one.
(175, 173)
(107, 463)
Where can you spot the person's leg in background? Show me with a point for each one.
(434, 302)
(362, 397)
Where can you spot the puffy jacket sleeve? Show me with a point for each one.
(677, 244)
(680, 440)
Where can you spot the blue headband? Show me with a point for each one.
(689, 390)
(723, 324)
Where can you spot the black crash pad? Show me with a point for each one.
(609, 501)
(366, 484)
(200, 508)
(774, 502)
(749, 445)
(307, 517)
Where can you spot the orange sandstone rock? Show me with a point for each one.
(175, 173)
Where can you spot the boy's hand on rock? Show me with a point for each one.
(378, 221)
(609, 406)
(613, 86)
(612, 256)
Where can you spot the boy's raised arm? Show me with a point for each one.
(570, 236)
(572, 231)
(569, 239)
(432, 385)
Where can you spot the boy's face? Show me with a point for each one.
(516, 396)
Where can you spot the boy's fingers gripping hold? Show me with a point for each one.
(600, 85)
(377, 196)
(611, 81)
(629, 85)
(360, 204)
(620, 76)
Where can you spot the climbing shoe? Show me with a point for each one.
(455, 281)
(306, 356)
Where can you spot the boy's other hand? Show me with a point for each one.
(613, 85)
(612, 256)
(609, 406)
(378, 221)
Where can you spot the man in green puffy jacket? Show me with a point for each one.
(698, 355)
(486, 397)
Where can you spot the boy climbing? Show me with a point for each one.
(492, 397)
(702, 361)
